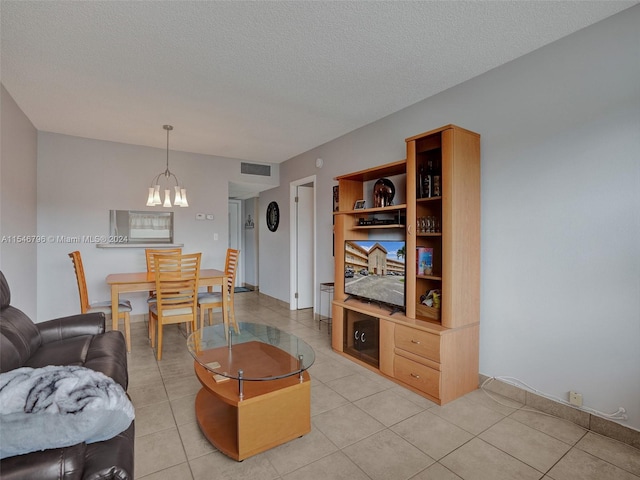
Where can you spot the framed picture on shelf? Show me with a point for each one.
(336, 198)
(359, 205)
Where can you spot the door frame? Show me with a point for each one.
(293, 272)
(237, 227)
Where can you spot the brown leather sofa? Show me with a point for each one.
(76, 340)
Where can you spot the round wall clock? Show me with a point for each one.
(273, 216)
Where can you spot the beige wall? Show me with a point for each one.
(18, 203)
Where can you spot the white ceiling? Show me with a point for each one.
(261, 81)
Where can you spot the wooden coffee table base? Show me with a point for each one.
(271, 413)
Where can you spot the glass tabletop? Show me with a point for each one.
(258, 352)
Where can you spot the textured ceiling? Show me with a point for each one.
(261, 81)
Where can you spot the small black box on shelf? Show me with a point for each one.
(383, 221)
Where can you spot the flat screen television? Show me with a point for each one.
(374, 271)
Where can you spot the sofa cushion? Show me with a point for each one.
(55, 407)
(108, 354)
(68, 351)
(104, 353)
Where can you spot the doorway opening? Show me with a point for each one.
(246, 225)
(236, 237)
(303, 243)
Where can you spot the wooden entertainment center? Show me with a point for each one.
(431, 350)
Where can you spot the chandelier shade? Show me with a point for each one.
(180, 197)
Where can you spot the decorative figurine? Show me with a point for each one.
(383, 193)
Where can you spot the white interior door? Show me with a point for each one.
(305, 237)
(302, 244)
(235, 236)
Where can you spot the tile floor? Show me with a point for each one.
(363, 426)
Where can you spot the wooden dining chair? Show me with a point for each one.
(124, 306)
(177, 279)
(207, 301)
(149, 253)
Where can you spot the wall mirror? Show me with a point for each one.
(141, 227)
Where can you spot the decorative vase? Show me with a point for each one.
(383, 193)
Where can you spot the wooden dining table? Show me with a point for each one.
(146, 282)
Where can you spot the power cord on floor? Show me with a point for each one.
(620, 414)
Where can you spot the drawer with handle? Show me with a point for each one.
(418, 376)
(417, 341)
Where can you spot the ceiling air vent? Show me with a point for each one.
(255, 169)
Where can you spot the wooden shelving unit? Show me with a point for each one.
(433, 351)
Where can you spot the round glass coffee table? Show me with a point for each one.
(256, 391)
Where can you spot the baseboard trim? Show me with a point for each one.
(268, 298)
(603, 426)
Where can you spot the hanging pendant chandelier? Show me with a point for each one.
(180, 198)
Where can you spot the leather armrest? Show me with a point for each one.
(112, 459)
(72, 326)
(59, 463)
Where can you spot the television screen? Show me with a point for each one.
(374, 270)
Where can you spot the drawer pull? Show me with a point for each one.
(414, 375)
(417, 342)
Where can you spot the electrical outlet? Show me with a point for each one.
(575, 398)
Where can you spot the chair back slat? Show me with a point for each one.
(209, 302)
(150, 252)
(177, 277)
(230, 268)
(76, 258)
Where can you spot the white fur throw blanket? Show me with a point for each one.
(54, 407)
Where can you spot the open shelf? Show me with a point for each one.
(369, 211)
(371, 227)
(428, 199)
(430, 277)
(388, 170)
